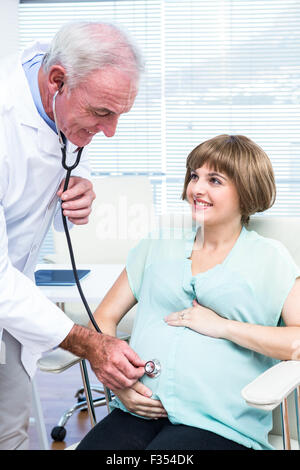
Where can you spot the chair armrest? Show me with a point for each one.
(51, 258)
(57, 361)
(269, 389)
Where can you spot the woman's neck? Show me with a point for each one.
(218, 237)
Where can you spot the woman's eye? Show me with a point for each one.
(193, 176)
(215, 181)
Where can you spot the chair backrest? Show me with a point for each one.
(121, 216)
(284, 229)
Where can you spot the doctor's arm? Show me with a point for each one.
(24, 311)
(279, 342)
(39, 325)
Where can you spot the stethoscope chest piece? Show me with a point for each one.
(153, 368)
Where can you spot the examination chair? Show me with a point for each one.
(120, 200)
(277, 389)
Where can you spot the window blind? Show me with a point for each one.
(234, 67)
(212, 67)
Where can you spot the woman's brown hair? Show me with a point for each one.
(245, 163)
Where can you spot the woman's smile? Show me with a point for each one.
(201, 204)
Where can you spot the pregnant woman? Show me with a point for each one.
(212, 302)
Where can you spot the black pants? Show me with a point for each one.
(123, 431)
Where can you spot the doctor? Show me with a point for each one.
(96, 70)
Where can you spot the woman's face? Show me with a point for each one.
(213, 197)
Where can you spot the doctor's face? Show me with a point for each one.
(95, 105)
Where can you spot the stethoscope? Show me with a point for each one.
(153, 367)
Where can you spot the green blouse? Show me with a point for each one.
(202, 377)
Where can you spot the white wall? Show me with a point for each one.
(8, 26)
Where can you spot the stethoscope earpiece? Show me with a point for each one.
(61, 140)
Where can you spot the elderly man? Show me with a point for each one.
(95, 70)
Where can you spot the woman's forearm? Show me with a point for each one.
(107, 327)
(281, 343)
(116, 303)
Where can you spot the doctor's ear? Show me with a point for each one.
(56, 78)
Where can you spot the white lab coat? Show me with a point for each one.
(30, 173)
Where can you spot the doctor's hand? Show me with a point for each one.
(200, 319)
(137, 399)
(77, 199)
(115, 364)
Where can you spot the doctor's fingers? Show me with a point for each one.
(111, 376)
(72, 181)
(116, 362)
(117, 377)
(79, 202)
(114, 378)
(78, 217)
(114, 382)
(78, 187)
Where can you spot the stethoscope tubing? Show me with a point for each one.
(69, 169)
(69, 242)
(82, 296)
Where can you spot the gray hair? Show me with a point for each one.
(83, 47)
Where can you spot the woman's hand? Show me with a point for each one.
(137, 400)
(200, 319)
